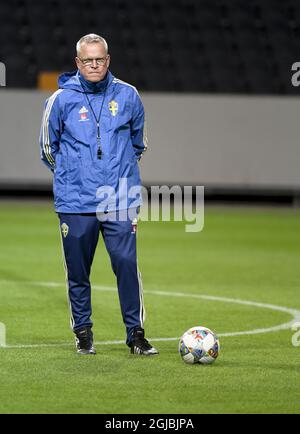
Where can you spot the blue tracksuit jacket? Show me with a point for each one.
(68, 143)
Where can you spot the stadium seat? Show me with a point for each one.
(158, 38)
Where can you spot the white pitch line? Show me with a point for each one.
(68, 344)
(293, 312)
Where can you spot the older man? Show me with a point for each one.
(92, 137)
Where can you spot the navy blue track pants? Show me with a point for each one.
(80, 234)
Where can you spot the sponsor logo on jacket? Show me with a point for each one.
(83, 114)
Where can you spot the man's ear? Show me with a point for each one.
(77, 61)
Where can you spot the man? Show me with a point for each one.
(92, 136)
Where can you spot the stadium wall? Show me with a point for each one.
(222, 142)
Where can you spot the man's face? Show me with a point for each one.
(93, 62)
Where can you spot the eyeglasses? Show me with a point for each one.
(87, 62)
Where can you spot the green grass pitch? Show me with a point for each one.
(246, 254)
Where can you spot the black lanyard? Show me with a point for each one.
(97, 120)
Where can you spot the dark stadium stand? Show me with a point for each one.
(226, 46)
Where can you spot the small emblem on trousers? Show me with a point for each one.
(134, 226)
(64, 229)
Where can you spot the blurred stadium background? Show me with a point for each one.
(215, 77)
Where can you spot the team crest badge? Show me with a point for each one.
(64, 229)
(83, 114)
(113, 107)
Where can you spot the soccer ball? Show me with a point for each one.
(199, 345)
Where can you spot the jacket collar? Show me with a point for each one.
(73, 80)
(91, 87)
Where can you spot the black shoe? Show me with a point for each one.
(140, 345)
(84, 341)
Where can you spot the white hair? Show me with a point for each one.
(91, 38)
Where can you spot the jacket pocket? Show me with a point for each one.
(60, 177)
(125, 148)
(74, 180)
